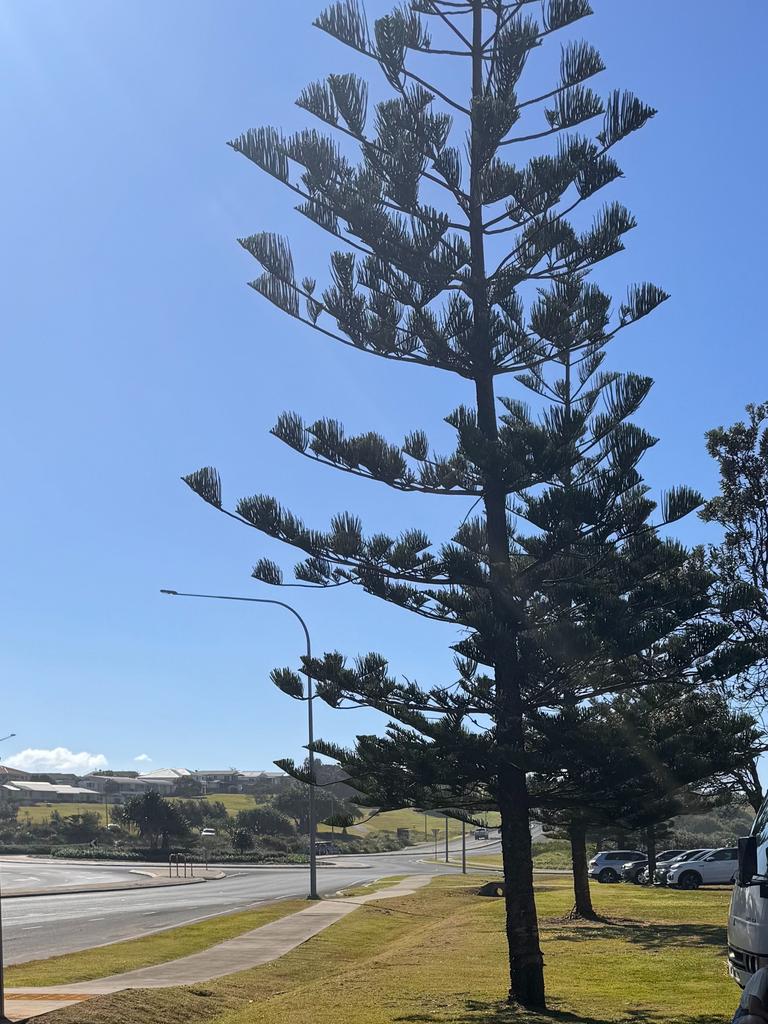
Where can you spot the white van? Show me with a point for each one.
(748, 915)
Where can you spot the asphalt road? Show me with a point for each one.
(42, 926)
(27, 875)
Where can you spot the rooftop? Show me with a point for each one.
(46, 787)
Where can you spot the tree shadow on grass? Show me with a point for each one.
(649, 936)
(500, 1013)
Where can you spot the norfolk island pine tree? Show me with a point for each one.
(633, 762)
(414, 284)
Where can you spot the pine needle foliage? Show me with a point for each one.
(464, 239)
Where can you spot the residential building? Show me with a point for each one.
(22, 792)
(226, 780)
(263, 782)
(164, 780)
(8, 774)
(116, 788)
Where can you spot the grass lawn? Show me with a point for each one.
(554, 854)
(387, 821)
(407, 817)
(42, 812)
(439, 956)
(154, 949)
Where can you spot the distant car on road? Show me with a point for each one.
(606, 865)
(633, 869)
(481, 833)
(718, 867)
(207, 832)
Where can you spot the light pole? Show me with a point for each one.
(3, 1018)
(310, 728)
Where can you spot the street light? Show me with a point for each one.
(310, 729)
(3, 1018)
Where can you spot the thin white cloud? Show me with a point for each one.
(59, 759)
(143, 758)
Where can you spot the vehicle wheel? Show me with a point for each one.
(636, 878)
(607, 875)
(689, 880)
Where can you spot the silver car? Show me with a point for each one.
(606, 865)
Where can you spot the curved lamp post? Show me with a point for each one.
(310, 729)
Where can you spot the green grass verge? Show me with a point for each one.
(147, 951)
(439, 956)
(416, 821)
(371, 887)
(553, 855)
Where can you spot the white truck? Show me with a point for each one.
(748, 914)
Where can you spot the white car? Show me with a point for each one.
(606, 866)
(716, 868)
(207, 832)
(662, 870)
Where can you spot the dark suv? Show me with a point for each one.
(633, 869)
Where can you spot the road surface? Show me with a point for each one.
(42, 926)
(28, 875)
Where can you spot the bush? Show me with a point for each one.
(94, 853)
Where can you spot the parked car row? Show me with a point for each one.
(680, 869)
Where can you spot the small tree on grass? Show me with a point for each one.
(468, 249)
(266, 821)
(635, 762)
(156, 820)
(242, 840)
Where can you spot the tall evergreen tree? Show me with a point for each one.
(740, 562)
(562, 584)
(636, 761)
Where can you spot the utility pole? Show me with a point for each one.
(463, 847)
(3, 1018)
(446, 839)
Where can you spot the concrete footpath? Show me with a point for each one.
(251, 949)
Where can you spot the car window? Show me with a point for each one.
(721, 855)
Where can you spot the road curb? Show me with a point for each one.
(150, 883)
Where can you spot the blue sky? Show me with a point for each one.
(135, 352)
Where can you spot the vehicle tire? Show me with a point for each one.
(607, 875)
(689, 880)
(636, 877)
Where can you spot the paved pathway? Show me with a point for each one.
(249, 950)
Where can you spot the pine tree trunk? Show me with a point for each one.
(526, 964)
(582, 907)
(651, 848)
